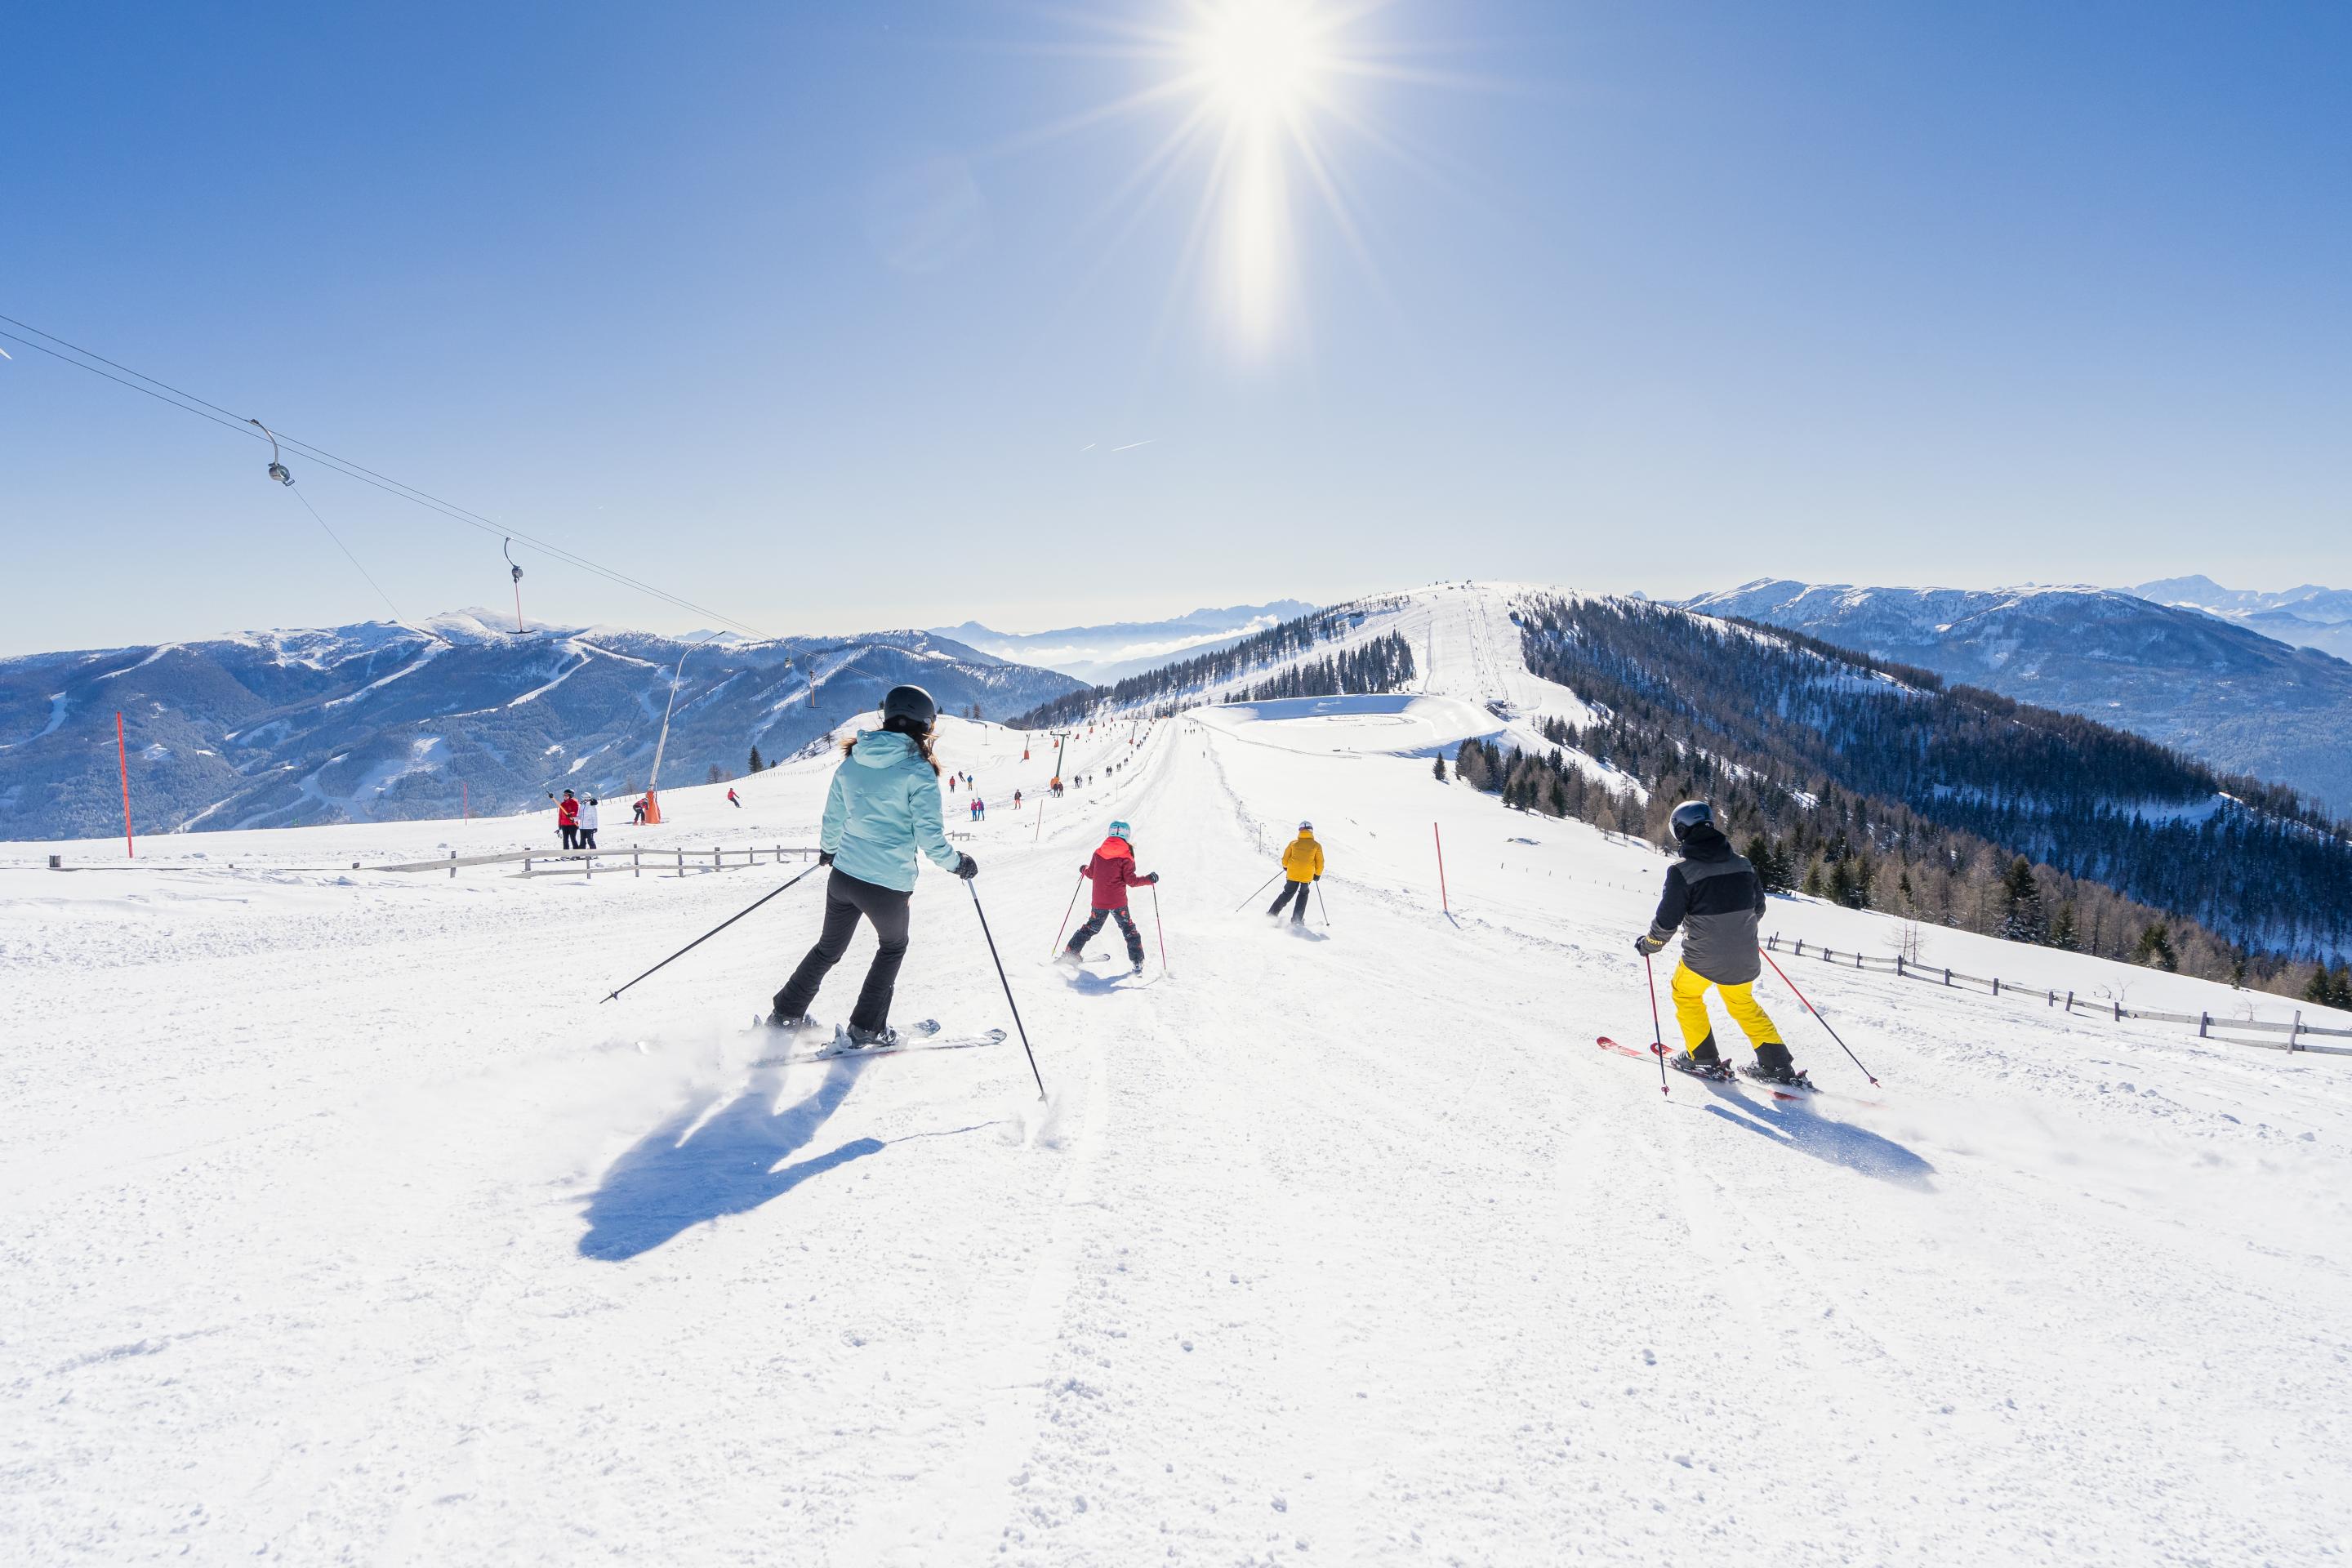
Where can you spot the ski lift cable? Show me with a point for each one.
(389, 486)
(205, 409)
(349, 556)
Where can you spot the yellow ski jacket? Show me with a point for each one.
(1303, 860)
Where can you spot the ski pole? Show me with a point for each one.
(1067, 910)
(714, 930)
(1159, 927)
(1261, 886)
(1319, 903)
(1008, 988)
(1816, 1011)
(1658, 1030)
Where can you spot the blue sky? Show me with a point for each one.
(795, 311)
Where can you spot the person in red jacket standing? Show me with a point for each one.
(1112, 871)
(567, 819)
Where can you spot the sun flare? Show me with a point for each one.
(1261, 59)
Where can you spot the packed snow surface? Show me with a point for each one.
(345, 1225)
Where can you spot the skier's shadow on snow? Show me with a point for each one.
(1794, 1124)
(692, 1169)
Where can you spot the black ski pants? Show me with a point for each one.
(570, 834)
(1086, 934)
(1289, 891)
(847, 900)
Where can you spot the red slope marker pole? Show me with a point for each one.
(1816, 1011)
(1658, 1030)
(1443, 902)
(123, 757)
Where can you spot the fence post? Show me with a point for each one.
(1996, 985)
(1800, 947)
(2204, 1024)
(2118, 1007)
(636, 867)
(682, 861)
(453, 864)
(2070, 999)
(2294, 1030)
(1857, 961)
(1948, 974)
(526, 862)
(1898, 965)
(588, 864)
(716, 863)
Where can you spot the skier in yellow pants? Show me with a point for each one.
(1714, 897)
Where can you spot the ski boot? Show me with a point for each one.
(1069, 958)
(803, 1024)
(885, 1038)
(1700, 1061)
(1774, 1066)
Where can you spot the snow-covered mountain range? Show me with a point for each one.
(398, 720)
(1103, 653)
(2307, 617)
(2216, 689)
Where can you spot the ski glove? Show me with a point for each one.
(1649, 946)
(1153, 878)
(966, 867)
(824, 858)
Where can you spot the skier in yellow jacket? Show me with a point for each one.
(1302, 864)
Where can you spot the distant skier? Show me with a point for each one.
(1715, 897)
(1112, 871)
(639, 807)
(884, 806)
(1302, 863)
(567, 820)
(588, 824)
(731, 800)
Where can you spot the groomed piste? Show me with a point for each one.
(345, 1225)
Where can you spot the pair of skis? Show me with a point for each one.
(1797, 1087)
(922, 1037)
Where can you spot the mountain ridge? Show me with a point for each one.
(406, 718)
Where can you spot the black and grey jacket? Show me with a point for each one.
(1715, 896)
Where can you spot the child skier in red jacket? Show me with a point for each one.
(1112, 871)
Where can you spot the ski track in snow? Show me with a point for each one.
(346, 1226)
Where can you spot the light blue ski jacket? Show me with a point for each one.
(883, 806)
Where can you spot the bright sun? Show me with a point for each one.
(1266, 92)
(1261, 59)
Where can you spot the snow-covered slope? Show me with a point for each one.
(344, 1223)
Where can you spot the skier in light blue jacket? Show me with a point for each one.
(884, 806)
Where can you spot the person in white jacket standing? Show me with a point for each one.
(588, 824)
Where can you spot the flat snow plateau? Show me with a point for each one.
(345, 1225)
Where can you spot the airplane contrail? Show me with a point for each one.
(1087, 447)
(1132, 446)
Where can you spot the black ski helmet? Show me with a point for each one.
(1689, 815)
(911, 703)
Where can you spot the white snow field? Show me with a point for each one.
(345, 1225)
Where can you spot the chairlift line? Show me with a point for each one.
(204, 408)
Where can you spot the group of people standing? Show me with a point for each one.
(576, 821)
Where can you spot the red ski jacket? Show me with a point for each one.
(567, 812)
(1112, 870)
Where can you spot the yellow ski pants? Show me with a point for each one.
(1690, 1009)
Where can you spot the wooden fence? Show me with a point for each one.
(2210, 1025)
(633, 861)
